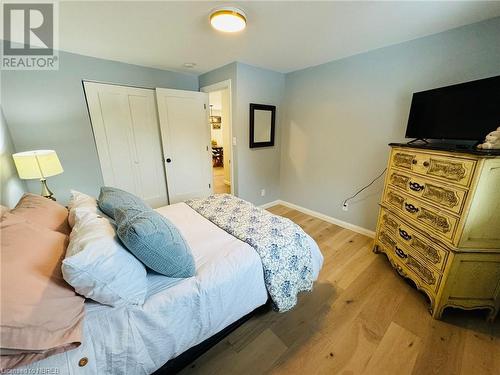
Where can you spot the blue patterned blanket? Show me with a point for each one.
(281, 244)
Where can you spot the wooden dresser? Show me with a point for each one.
(439, 225)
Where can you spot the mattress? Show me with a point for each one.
(177, 313)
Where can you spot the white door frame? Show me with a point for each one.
(217, 87)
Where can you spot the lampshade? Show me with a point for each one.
(37, 164)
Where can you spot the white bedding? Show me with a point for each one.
(178, 313)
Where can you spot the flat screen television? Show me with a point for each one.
(467, 111)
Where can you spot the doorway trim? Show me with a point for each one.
(226, 84)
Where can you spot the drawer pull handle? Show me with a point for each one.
(415, 186)
(414, 161)
(400, 253)
(426, 163)
(404, 235)
(411, 208)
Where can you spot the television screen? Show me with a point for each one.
(467, 111)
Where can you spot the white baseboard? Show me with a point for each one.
(319, 215)
(270, 204)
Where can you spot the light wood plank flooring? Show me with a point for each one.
(219, 185)
(361, 318)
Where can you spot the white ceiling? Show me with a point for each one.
(282, 36)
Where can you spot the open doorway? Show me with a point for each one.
(220, 133)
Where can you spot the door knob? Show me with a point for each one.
(168, 160)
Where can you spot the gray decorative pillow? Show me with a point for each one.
(112, 198)
(155, 241)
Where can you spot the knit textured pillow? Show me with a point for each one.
(112, 198)
(155, 241)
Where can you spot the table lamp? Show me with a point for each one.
(38, 164)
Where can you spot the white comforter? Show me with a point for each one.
(178, 313)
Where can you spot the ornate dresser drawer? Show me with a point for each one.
(455, 170)
(446, 197)
(412, 239)
(410, 266)
(443, 224)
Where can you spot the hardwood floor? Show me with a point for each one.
(219, 185)
(361, 318)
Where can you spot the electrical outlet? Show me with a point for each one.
(262, 192)
(345, 206)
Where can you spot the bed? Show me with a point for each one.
(178, 313)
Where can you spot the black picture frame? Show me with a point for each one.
(262, 107)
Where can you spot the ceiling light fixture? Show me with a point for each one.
(228, 19)
(189, 65)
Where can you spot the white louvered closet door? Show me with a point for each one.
(127, 135)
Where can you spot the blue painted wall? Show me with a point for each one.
(340, 116)
(11, 187)
(258, 168)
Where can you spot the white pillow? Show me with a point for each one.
(81, 202)
(99, 267)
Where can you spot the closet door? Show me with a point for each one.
(185, 133)
(125, 124)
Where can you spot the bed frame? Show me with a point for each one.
(178, 363)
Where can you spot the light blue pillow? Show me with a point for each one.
(155, 241)
(112, 198)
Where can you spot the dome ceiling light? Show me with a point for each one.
(228, 19)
